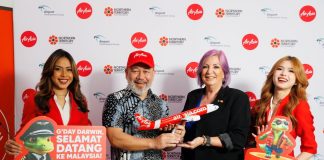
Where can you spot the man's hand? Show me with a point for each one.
(180, 130)
(166, 140)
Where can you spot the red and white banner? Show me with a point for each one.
(101, 34)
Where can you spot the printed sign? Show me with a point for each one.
(275, 142)
(43, 138)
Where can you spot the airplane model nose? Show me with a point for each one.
(212, 107)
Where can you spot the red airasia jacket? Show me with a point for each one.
(31, 111)
(305, 125)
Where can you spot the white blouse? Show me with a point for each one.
(65, 110)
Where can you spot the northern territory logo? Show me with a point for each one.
(110, 11)
(221, 12)
(53, 39)
(164, 41)
(172, 98)
(276, 43)
(109, 69)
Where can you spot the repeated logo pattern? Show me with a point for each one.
(220, 13)
(108, 69)
(52, 39)
(101, 35)
(109, 11)
(275, 43)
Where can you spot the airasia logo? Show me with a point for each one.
(139, 40)
(28, 38)
(191, 69)
(27, 93)
(308, 71)
(195, 11)
(139, 55)
(83, 10)
(307, 13)
(252, 98)
(250, 41)
(84, 68)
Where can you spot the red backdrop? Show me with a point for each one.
(6, 78)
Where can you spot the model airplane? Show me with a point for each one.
(189, 115)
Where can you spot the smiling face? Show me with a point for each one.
(62, 75)
(284, 77)
(212, 73)
(140, 78)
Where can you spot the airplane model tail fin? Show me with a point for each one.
(145, 124)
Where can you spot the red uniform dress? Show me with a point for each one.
(76, 116)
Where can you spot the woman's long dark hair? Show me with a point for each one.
(45, 86)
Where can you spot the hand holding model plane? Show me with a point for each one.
(189, 115)
(179, 130)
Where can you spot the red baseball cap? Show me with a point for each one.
(140, 57)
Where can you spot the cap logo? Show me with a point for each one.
(140, 55)
(42, 123)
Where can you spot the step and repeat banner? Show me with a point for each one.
(101, 34)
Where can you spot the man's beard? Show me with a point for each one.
(131, 85)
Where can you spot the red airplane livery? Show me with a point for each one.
(189, 115)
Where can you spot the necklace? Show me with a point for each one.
(273, 108)
(275, 103)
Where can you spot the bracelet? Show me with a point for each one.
(205, 140)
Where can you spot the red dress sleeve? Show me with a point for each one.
(30, 111)
(305, 128)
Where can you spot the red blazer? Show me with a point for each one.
(31, 111)
(305, 128)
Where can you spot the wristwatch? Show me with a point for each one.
(207, 141)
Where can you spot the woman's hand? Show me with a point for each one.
(260, 129)
(12, 147)
(192, 144)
